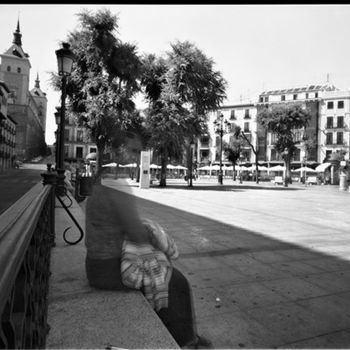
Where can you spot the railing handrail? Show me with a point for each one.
(16, 228)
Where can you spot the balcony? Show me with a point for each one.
(335, 144)
(334, 127)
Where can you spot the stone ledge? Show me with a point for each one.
(106, 318)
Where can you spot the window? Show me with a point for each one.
(330, 105)
(261, 99)
(297, 136)
(79, 152)
(92, 150)
(329, 140)
(273, 155)
(246, 127)
(340, 104)
(66, 134)
(307, 95)
(316, 94)
(328, 154)
(273, 139)
(329, 122)
(340, 138)
(340, 122)
(205, 141)
(283, 97)
(232, 116)
(66, 151)
(80, 135)
(9, 68)
(18, 69)
(295, 96)
(296, 157)
(267, 99)
(246, 113)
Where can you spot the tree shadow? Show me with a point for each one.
(224, 188)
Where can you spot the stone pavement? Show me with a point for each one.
(269, 266)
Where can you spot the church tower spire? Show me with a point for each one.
(17, 36)
(37, 81)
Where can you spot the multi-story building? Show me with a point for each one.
(334, 124)
(242, 115)
(77, 144)
(7, 131)
(329, 126)
(310, 96)
(26, 107)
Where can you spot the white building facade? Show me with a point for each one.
(334, 124)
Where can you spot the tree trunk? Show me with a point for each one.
(256, 170)
(162, 181)
(286, 173)
(234, 171)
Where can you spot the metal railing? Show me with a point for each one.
(26, 239)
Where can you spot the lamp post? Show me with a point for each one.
(285, 154)
(65, 59)
(219, 129)
(57, 133)
(192, 145)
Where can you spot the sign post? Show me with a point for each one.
(145, 177)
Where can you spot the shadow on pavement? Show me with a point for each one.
(227, 187)
(252, 291)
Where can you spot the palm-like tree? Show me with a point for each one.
(283, 120)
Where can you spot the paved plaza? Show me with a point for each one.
(269, 266)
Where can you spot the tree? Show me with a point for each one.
(181, 89)
(103, 80)
(232, 151)
(283, 120)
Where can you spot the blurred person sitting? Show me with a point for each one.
(122, 248)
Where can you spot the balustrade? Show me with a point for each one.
(26, 239)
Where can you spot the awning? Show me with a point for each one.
(322, 167)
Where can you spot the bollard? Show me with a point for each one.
(342, 182)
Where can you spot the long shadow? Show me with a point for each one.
(273, 294)
(227, 188)
(216, 187)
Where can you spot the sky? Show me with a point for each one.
(255, 47)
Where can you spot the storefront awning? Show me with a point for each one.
(322, 167)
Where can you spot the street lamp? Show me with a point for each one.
(285, 154)
(192, 145)
(65, 59)
(219, 129)
(57, 132)
(304, 147)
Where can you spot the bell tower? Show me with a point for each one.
(15, 69)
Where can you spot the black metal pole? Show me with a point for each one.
(60, 169)
(220, 171)
(191, 161)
